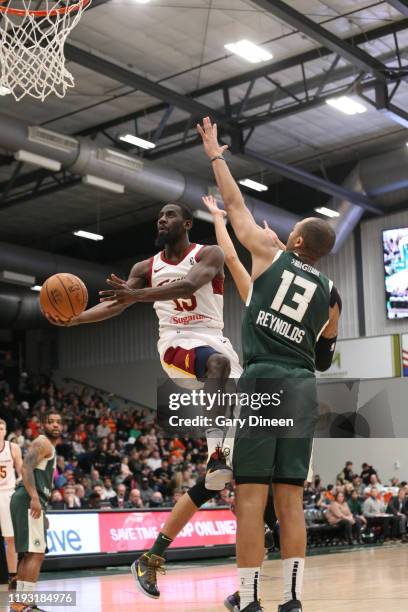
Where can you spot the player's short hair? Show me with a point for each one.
(3, 422)
(319, 237)
(46, 415)
(187, 212)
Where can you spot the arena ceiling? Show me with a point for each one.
(153, 69)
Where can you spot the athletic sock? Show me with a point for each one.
(293, 578)
(29, 586)
(20, 585)
(248, 585)
(160, 545)
(214, 438)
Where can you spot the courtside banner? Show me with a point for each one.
(127, 531)
(73, 533)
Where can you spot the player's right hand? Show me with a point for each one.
(35, 508)
(59, 322)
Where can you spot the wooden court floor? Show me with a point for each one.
(364, 580)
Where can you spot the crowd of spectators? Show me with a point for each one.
(111, 456)
(360, 504)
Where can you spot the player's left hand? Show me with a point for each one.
(120, 293)
(209, 134)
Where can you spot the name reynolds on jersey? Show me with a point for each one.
(288, 330)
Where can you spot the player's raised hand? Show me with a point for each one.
(212, 205)
(120, 293)
(209, 134)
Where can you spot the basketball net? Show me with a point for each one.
(32, 60)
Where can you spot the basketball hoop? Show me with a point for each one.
(32, 38)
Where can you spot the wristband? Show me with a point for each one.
(217, 157)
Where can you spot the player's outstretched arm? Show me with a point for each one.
(102, 311)
(210, 264)
(243, 223)
(240, 275)
(40, 449)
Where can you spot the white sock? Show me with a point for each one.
(248, 585)
(20, 585)
(214, 438)
(293, 569)
(29, 586)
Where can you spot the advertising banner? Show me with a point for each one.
(126, 531)
(106, 532)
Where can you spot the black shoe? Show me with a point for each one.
(12, 583)
(219, 473)
(233, 602)
(255, 606)
(145, 570)
(291, 606)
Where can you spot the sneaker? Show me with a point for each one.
(291, 606)
(12, 583)
(145, 570)
(219, 473)
(255, 606)
(233, 602)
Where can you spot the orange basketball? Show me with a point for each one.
(63, 296)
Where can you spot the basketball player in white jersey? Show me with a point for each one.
(10, 464)
(185, 283)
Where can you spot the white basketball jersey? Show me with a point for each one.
(204, 309)
(7, 473)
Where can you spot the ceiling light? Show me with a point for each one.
(142, 1)
(54, 140)
(36, 288)
(327, 212)
(95, 181)
(253, 185)
(111, 156)
(88, 235)
(4, 91)
(37, 160)
(137, 142)
(249, 51)
(15, 278)
(347, 105)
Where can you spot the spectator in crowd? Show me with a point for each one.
(366, 472)
(358, 484)
(135, 499)
(374, 482)
(110, 493)
(94, 501)
(56, 502)
(347, 473)
(154, 461)
(71, 501)
(398, 507)
(156, 501)
(338, 513)
(325, 498)
(121, 494)
(146, 491)
(356, 508)
(374, 512)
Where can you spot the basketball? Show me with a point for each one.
(63, 296)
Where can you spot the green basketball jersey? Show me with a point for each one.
(286, 311)
(44, 476)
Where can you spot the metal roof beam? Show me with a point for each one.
(359, 58)
(400, 5)
(314, 181)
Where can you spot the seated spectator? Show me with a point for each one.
(70, 499)
(94, 501)
(356, 508)
(121, 494)
(338, 513)
(374, 482)
(154, 461)
(325, 497)
(135, 499)
(367, 471)
(398, 507)
(358, 484)
(309, 495)
(146, 491)
(374, 512)
(56, 502)
(156, 500)
(79, 491)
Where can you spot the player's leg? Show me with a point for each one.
(11, 561)
(145, 568)
(293, 458)
(6, 526)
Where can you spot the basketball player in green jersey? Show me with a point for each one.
(291, 306)
(29, 503)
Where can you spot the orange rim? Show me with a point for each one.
(60, 11)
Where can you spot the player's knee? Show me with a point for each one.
(199, 495)
(218, 366)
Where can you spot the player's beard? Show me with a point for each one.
(161, 240)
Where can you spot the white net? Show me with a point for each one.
(32, 38)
